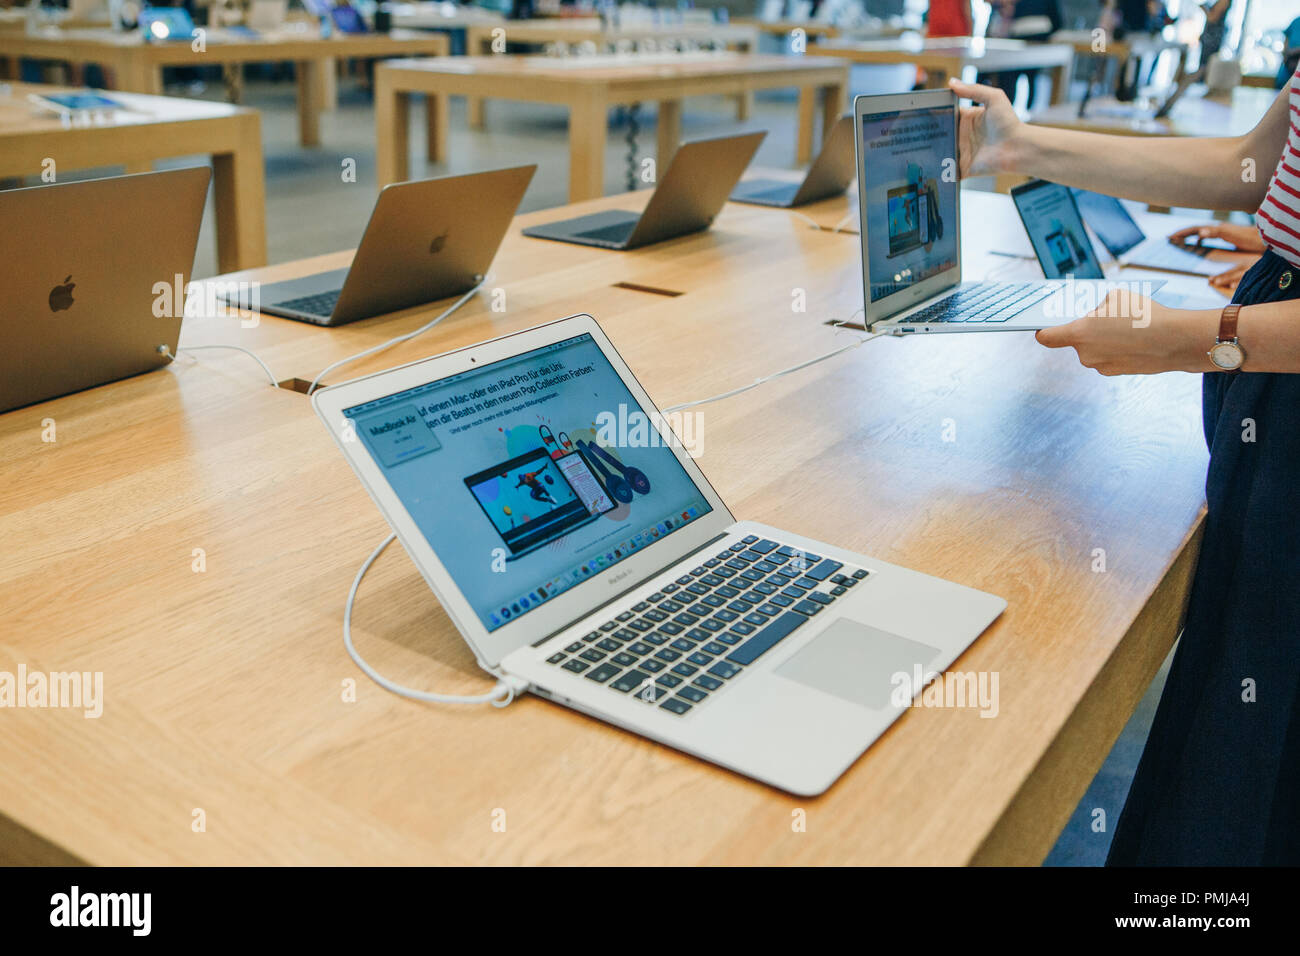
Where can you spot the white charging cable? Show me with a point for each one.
(315, 383)
(785, 371)
(164, 350)
(501, 695)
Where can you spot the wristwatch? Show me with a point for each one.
(1227, 355)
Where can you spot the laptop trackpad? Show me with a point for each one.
(857, 663)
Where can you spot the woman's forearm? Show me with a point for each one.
(1163, 171)
(1270, 336)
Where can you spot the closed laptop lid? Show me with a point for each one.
(95, 279)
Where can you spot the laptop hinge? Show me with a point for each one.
(621, 594)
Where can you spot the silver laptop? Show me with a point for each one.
(829, 175)
(690, 194)
(1124, 239)
(598, 565)
(95, 276)
(426, 240)
(909, 198)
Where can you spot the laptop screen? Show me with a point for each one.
(1110, 221)
(909, 178)
(529, 475)
(1060, 241)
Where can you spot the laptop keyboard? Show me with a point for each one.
(983, 302)
(617, 233)
(685, 643)
(320, 303)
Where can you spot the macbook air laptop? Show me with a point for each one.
(1056, 230)
(1129, 245)
(829, 175)
(95, 275)
(909, 200)
(772, 654)
(689, 195)
(426, 240)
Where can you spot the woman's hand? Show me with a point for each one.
(1242, 238)
(1129, 334)
(988, 132)
(1227, 282)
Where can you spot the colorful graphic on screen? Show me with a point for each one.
(521, 478)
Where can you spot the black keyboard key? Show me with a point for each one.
(708, 683)
(698, 588)
(667, 589)
(749, 539)
(608, 644)
(726, 591)
(630, 681)
(625, 616)
(683, 645)
(763, 546)
(624, 659)
(697, 634)
(668, 680)
(724, 669)
(758, 620)
(824, 570)
(609, 625)
(667, 655)
(725, 615)
(642, 625)
(713, 625)
(555, 658)
(640, 648)
(780, 600)
(684, 669)
(693, 694)
(685, 619)
(651, 665)
(762, 642)
(714, 600)
(808, 607)
(668, 627)
(602, 672)
(821, 597)
(700, 660)
(714, 648)
(575, 665)
(675, 705)
(860, 574)
(650, 693)
(593, 655)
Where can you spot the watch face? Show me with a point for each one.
(1226, 355)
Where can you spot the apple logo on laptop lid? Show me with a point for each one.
(61, 295)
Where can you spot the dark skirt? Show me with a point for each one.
(1219, 779)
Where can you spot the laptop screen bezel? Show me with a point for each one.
(569, 606)
(899, 302)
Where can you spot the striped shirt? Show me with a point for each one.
(1278, 217)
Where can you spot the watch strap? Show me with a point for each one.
(1228, 324)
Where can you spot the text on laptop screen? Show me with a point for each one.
(529, 475)
(909, 175)
(1060, 241)
(1110, 221)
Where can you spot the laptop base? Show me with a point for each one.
(607, 230)
(766, 192)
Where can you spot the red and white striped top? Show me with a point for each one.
(1278, 216)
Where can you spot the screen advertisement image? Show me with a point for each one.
(517, 478)
(909, 178)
